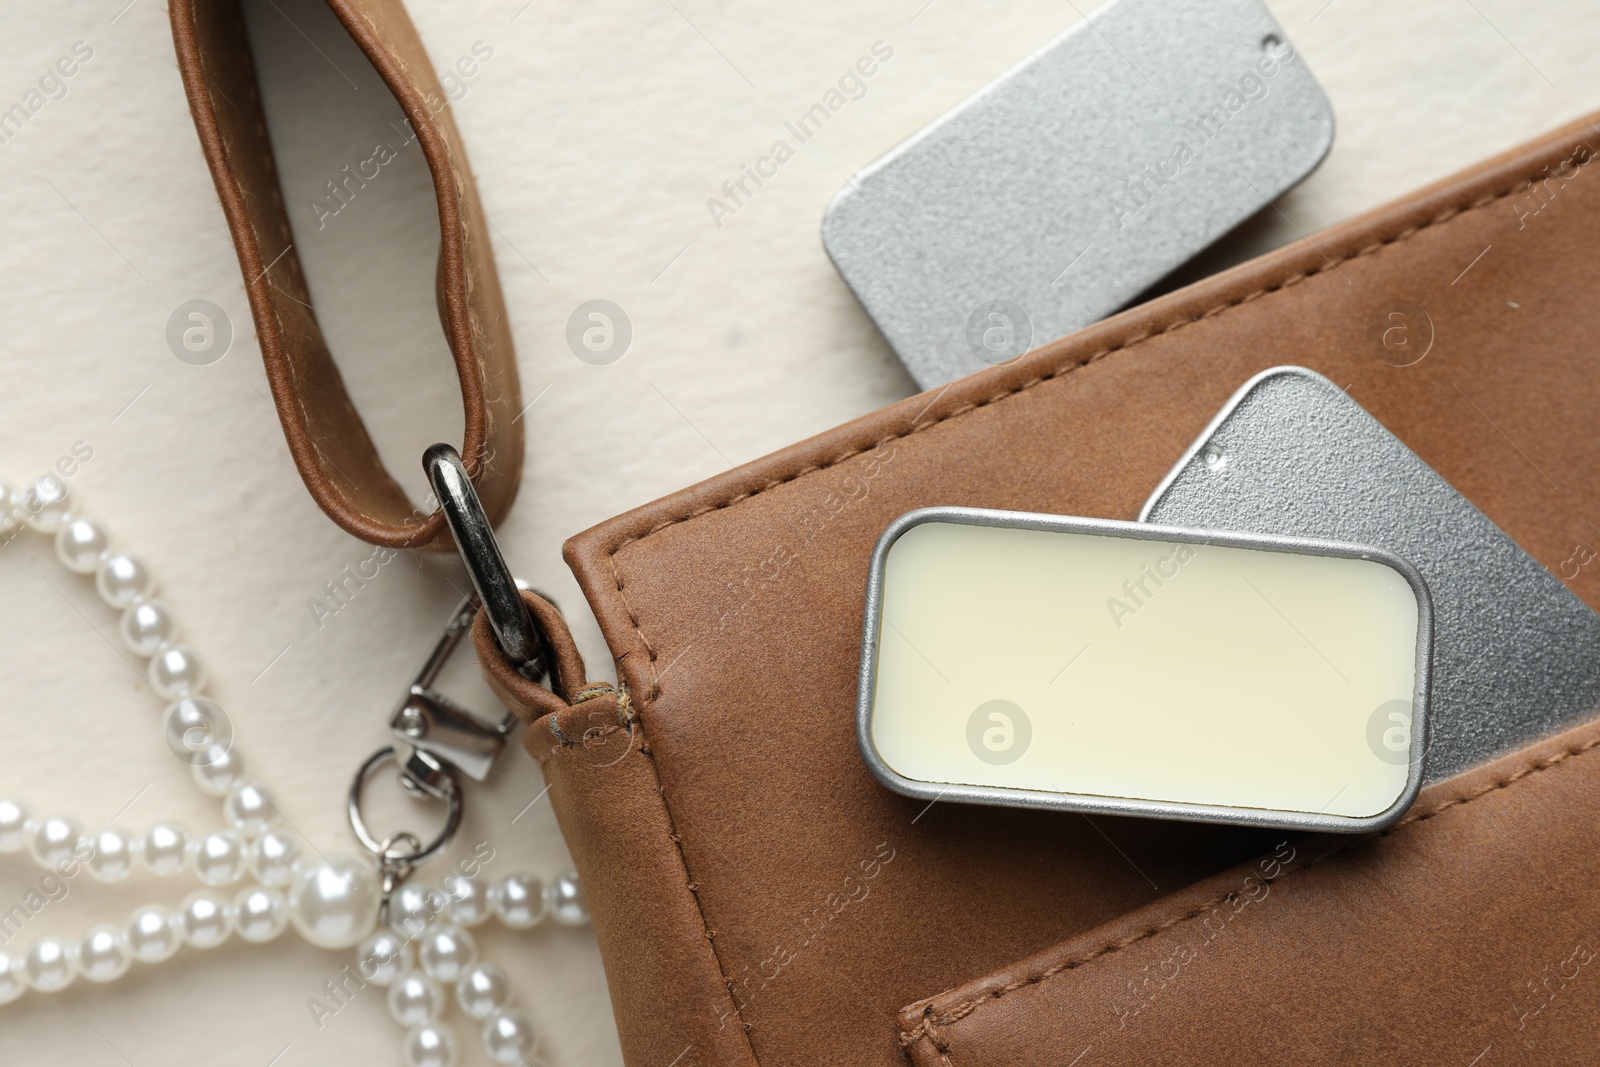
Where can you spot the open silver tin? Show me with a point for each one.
(1117, 805)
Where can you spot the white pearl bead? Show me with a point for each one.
(113, 855)
(205, 918)
(249, 809)
(48, 965)
(221, 767)
(146, 626)
(334, 902)
(123, 578)
(176, 673)
(483, 990)
(163, 848)
(272, 857)
(445, 952)
(564, 900)
(13, 826)
(413, 907)
(383, 958)
(510, 1038)
(197, 730)
(102, 956)
(260, 913)
(430, 1045)
(45, 505)
(469, 898)
(218, 857)
(53, 840)
(13, 983)
(81, 544)
(415, 999)
(518, 900)
(153, 934)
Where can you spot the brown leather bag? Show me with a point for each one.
(760, 899)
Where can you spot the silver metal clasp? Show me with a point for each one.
(438, 736)
(437, 740)
(514, 630)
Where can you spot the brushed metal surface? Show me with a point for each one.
(1514, 650)
(1070, 184)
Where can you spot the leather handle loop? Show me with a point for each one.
(529, 699)
(330, 444)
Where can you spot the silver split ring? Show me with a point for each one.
(384, 849)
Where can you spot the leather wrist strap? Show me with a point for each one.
(330, 444)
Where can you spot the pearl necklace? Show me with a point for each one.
(333, 901)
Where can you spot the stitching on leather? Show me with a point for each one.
(275, 186)
(931, 1032)
(967, 1007)
(655, 678)
(691, 883)
(1130, 342)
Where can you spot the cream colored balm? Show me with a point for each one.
(1124, 668)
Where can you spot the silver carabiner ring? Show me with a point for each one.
(383, 850)
(513, 626)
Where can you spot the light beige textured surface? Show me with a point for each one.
(597, 131)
